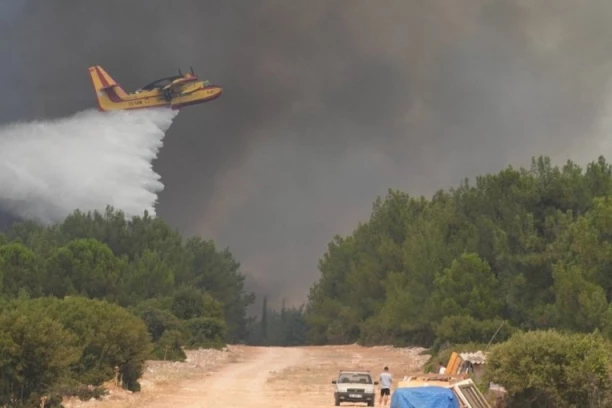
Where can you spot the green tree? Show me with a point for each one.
(84, 267)
(19, 270)
(206, 332)
(525, 246)
(217, 272)
(157, 320)
(264, 320)
(108, 256)
(286, 327)
(109, 336)
(469, 288)
(189, 302)
(580, 305)
(147, 267)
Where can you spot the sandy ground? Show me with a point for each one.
(250, 377)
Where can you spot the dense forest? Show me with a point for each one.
(100, 293)
(529, 247)
(517, 263)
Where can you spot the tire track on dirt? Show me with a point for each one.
(240, 384)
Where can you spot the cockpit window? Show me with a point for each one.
(160, 83)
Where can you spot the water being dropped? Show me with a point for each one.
(87, 161)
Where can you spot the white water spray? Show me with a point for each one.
(93, 159)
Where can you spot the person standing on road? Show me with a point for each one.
(386, 379)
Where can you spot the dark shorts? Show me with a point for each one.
(385, 391)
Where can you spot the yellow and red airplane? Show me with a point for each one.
(175, 92)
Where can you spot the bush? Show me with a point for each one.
(168, 347)
(35, 354)
(189, 302)
(157, 320)
(549, 369)
(108, 335)
(206, 332)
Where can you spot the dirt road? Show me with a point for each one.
(257, 377)
(242, 384)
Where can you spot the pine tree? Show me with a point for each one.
(264, 321)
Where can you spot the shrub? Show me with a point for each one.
(157, 320)
(549, 369)
(206, 332)
(168, 347)
(189, 302)
(108, 335)
(35, 354)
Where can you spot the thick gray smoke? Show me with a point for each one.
(326, 103)
(87, 161)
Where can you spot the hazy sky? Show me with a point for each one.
(327, 103)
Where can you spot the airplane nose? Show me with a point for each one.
(213, 91)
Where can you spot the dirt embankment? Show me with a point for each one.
(250, 377)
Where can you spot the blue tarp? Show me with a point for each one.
(424, 397)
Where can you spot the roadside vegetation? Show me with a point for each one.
(527, 247)
(90, 299)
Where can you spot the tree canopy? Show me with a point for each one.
(99, 291)
(125, 261)
(527, 246)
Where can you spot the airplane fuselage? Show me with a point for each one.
(176, 94)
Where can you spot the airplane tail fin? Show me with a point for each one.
(107, 90)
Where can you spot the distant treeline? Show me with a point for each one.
(531, 247)
(98, 292)
(286, 327)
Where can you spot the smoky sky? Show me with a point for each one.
(326, 104)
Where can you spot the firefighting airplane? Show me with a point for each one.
(175, 92)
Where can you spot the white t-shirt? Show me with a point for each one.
(385, 379)
(442, 370)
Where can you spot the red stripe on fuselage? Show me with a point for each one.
(112, 95)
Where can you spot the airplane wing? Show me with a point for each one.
(186, 88)
(182, 86)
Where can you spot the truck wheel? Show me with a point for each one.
(370, 403)
(337, 401)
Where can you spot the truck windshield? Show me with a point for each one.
(355, 378)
